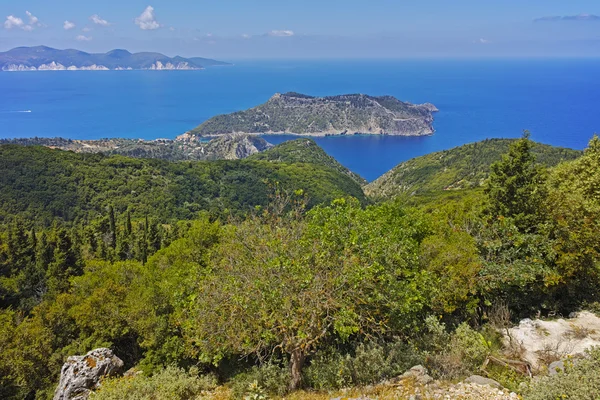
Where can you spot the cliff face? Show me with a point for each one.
(320, 116)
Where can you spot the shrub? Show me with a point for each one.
(454, 355)
(270, 378)
(370, 363)
(580, 381)
(169, 384)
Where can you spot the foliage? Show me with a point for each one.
(369, 363)
(169, 384)
(268, 378)
(304, 151)
(279, 284)
(515, 187)
(463, 167)
(43, 184)
(580, 380)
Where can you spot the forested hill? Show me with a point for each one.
(458, 168)
(305, 150)
(41, 184)
(297, 113)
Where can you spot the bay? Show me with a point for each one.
(556, 99)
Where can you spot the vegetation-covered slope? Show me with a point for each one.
(459, 168)
(42, 183)
(334, 115)
(227, 147)
(304, 151)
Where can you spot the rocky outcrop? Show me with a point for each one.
(81, 374)
(480, 380)
(294, 113)
(418, 373)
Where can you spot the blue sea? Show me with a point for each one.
(558, 100)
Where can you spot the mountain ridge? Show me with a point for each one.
(41, 58)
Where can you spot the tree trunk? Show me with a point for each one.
(296, 362)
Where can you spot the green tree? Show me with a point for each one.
(286, 284)
(515, 188)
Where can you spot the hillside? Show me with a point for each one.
(305, 151)
(333, 115)
(458, 168)
(39, 183)
(41, 58)
(227, 147)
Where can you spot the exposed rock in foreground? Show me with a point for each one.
(296, 113)
(229, 147)
(81, 374)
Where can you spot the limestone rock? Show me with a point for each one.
(418, 373)
(480, 380)
(80, 374)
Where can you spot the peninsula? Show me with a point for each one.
(295, 113)
(42, 58)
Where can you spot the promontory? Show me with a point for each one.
(295, 113)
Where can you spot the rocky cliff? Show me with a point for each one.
(296, 113)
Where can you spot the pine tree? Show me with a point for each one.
(515, 188)
(113, 227)
(65, 263)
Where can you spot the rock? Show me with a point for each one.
(573, 315)
(418, 373)
(556, 367)
(80, 374)
(480, 380)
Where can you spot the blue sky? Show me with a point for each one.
(308, 28)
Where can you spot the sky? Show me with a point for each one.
(241, 29)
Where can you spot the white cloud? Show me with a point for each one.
(82, 38)
(13, 22)
(99, 21)
(16, 22)
(484, 41)
(87, 29)
(147, 20)
(68, 25)
(33, 20)
(246, 36)
(281, 33)
(172, 29)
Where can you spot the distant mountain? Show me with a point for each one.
(321, 116)
(463, 167)
(42, 58)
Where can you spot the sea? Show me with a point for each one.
(558, 100)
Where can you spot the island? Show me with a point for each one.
(295, 113)
(43, 58)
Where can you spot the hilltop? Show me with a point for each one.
(305, 151)
(321, 116)
(462, 167)
(42, 58)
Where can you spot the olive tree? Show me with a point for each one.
(289, 284)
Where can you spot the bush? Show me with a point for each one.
(169, 384)
(370, 363)
(454, 355)
(580, 381)
(270, 378)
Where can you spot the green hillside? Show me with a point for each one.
(41, 183)
(307, 151)
(458, 168)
